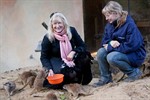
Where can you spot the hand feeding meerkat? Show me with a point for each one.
(75, 89)
(38, 82)
(10, 88)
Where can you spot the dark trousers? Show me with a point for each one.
(81, 73)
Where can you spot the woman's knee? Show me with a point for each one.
(113, 57)
(101, 53)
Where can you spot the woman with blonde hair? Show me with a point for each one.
(122, 45)
(62, 48)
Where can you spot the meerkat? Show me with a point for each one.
(75, 89)
(38, 82)
(25, 75)
(30, 82)
(10, 88)
(51, 96)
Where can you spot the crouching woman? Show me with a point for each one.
(63, 51)
(122, 45)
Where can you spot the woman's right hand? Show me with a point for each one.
(71, 55)
(50, 73)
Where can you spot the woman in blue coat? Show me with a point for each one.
(122, 45)
(63, 51)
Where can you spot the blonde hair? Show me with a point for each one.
(50, 28)
(115, 7)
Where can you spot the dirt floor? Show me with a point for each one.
(138, 90)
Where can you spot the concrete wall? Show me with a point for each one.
(21, 29)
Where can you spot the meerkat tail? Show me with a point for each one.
(28, 82)
(23, 86)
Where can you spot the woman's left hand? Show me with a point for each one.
(114, 43)
(71, 55)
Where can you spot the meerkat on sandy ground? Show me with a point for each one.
(25, 75)
(51, 96)
(30, 82)
(145, 68)
(27, 78)
(10, 87)
(22, 78)
(75, 90)
(38, 82)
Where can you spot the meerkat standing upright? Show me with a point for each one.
(10, 88)
(38, 82)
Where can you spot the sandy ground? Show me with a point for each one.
(138, 90)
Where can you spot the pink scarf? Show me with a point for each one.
(65, 47)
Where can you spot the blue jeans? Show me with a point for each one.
(116, 59)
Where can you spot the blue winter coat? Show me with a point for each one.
(130, 39)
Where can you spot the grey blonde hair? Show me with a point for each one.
(115, 7)
(50, 28)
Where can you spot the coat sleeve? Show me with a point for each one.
(45, 53)
(77, 41)
(106, 37)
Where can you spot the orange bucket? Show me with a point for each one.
(55, 79)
